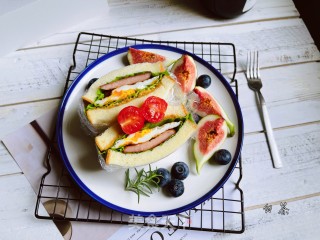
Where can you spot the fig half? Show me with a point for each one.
(211, 133)
(207, 104)
(185, 71)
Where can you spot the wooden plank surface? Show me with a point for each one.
(43, 71)
(128, 18)
(281, 42)
(298, 224)
(7, 163)
(300, 153)
(287, 91)
(17, 211)
(32, 80)
(15, 116)
(282, 105)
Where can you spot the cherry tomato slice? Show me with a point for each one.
(130, 119)
(153, 109)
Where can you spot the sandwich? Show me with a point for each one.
(152, 143)
(129, 85)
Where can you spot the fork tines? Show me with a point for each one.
(253, 65)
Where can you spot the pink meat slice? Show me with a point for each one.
(126, 81)
(149, 144)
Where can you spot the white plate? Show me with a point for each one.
(80, 157)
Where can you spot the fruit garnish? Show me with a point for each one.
(207, 104)
(143, 183)
(175, 187)
(130, 119)
(180, 170)
(185, 71)
(204, 81)
(222, 156)
(211, 133)
(140, 56)
(153, 109)
(164, 177)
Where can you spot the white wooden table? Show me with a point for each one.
(32, 81)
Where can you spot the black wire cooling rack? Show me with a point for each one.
(223, 212)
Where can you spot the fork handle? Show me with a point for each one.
(272, 143)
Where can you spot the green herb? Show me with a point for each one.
(90, 106)
(100, 95)
(143, 182)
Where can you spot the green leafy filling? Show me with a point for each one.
(100, 96)
(137, 93)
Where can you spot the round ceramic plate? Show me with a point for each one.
(80, 157)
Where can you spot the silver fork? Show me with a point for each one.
(255, 84)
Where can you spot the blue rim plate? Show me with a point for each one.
(80, 157)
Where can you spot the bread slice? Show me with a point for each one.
(106, 139)
(91, 94)
(105, 116)
(109, 136)
(155, 154)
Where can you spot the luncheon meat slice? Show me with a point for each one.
(150, 144)
(126, 81)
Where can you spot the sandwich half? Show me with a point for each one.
(130, 85)
(152, 143)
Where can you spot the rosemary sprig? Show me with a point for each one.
(143, 183)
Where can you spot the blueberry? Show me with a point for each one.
(180, 170)
(204, 81)
(175, 187)
(165, 177)
(221, 156)
(91, 82)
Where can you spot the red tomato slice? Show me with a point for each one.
(130, 119)
(153, 109)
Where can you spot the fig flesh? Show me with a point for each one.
(211, 133)
(139, 56)
(185, 71)
(207, 104)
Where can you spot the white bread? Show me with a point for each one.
(91, 94)
(104, 116)
(155, 154)
(106, 139)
